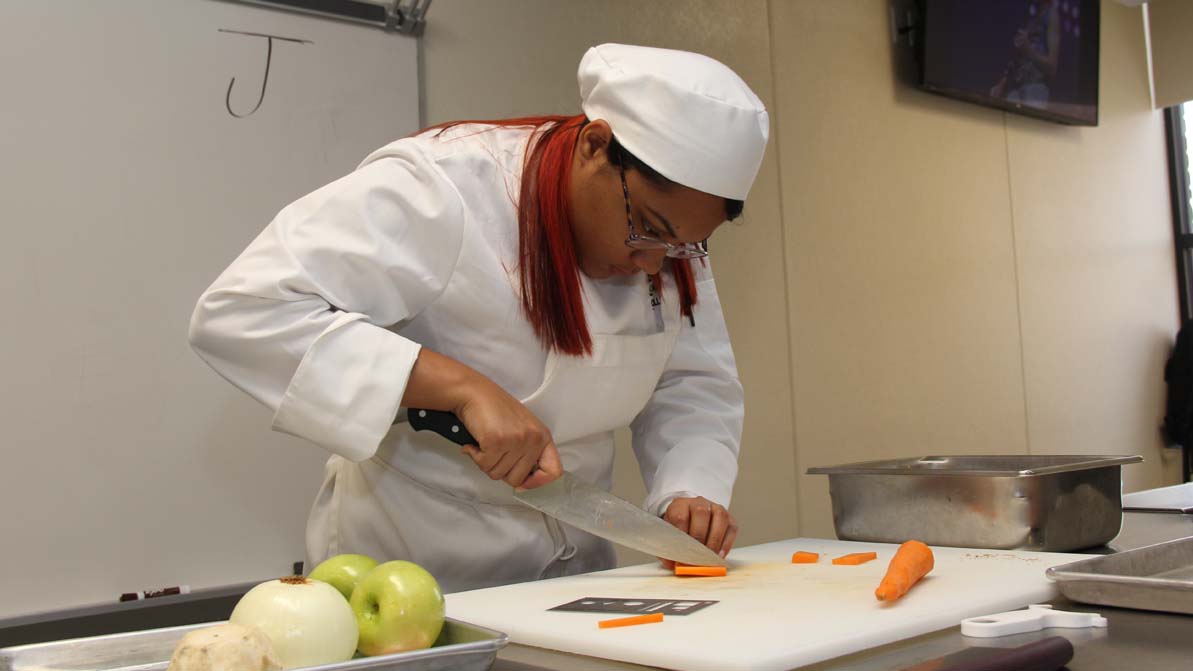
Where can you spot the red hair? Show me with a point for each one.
(549, 274)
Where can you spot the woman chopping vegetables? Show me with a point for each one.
(544, 279)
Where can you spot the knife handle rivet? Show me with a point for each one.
(455, 429)
(422, 413)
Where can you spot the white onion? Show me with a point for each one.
(309, 622)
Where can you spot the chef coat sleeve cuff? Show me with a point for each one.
(659, 508)
(348, 388)
(696, 467)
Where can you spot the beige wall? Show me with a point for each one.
(963, 280)
(1170, 22)
(914, 275)
(1096, 267)
(900, 252)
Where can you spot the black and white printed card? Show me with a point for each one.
(597, 604)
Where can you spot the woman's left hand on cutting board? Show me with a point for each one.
(708, 522)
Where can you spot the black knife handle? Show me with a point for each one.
(445, 424)
(441, 422)
(1047, 654)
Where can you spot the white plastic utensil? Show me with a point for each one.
(1035, 618)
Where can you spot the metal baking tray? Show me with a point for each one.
(460, 647)
(1050, 503)
(1175, 499)
(1153, 577)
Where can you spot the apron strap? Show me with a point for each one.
(563, 549)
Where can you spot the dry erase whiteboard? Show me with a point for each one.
(127, 186)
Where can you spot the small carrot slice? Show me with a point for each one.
(630, 621)
(855, 558)
(802, 557)
(911, 562)
(700, 571)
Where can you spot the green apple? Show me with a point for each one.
(343, 571)
(398, 607)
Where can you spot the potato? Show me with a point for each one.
(225, 647)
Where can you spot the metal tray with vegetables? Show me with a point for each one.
(460, 646)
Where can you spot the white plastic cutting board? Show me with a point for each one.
(772, 615)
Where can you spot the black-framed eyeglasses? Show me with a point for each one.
(682, 250)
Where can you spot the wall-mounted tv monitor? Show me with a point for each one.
(1034, 57)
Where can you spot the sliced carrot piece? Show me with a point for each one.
(802, 557)
(911, 562)
(630, 621)
(700, 571)
(855, 558)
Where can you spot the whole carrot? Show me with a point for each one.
(911, 562)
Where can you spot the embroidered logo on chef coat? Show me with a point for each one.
(656, 304)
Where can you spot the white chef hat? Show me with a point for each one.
(685, 115)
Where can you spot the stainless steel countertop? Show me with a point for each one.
(1134, 639)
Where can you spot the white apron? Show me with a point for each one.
(419, 499)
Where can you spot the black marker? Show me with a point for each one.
(150, 593)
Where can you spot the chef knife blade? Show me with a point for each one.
(575, 502)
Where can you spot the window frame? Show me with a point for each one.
(1182, 201)
(1178, 179)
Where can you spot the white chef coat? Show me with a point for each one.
(322, 317)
